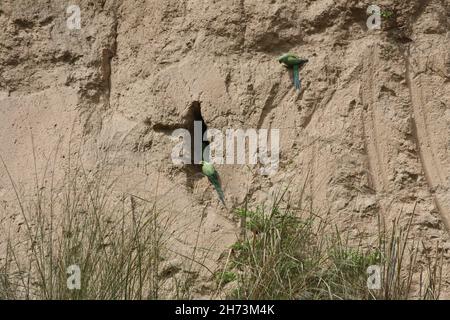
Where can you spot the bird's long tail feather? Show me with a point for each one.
(296, 77)
(216, 184)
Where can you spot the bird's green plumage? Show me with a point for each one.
(208, 169)
(210, 172)
(290, 60)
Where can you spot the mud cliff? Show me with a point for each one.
(367, 136)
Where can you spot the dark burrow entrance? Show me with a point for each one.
(193, 171)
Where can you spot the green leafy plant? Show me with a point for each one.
(290, 255)
(386, 14)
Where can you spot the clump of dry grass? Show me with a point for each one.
(116, 240)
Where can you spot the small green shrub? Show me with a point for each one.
(285, 256)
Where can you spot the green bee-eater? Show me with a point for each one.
(292, 61)
(210, 172)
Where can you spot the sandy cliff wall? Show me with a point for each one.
(368, 134)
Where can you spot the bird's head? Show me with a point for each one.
(282, 58)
